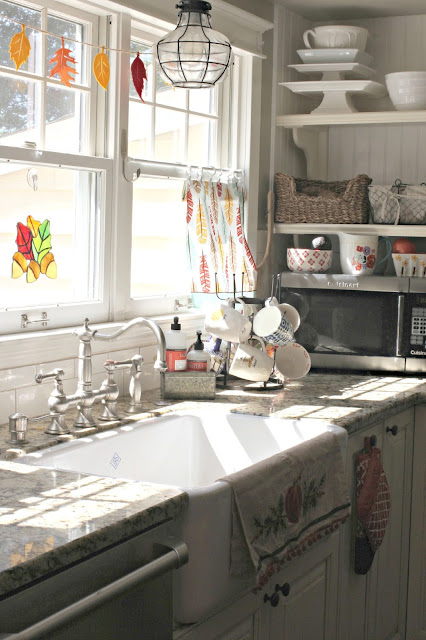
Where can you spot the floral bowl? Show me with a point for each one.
(410, 264)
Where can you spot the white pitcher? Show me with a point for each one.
(359, 253)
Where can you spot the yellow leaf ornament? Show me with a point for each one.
(101, 68)
(19, 48)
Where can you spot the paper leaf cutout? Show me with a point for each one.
(19, 48)
(101, 69)
(33, 225)
(42, 242)
(138, 75)
(62, 58)
(24, 241)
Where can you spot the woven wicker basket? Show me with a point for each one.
(292, 206)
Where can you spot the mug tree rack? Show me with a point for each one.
(222, 378)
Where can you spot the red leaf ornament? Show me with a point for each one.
(138, 75)
(23, 240)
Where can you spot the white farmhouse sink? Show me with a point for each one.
(191, 450)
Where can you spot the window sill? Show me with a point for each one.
(35, 347)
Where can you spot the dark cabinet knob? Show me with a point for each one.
(273, 599)
(393, 430)
(285, 589)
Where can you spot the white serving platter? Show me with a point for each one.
(334, 55)
(334, 70)
(337, 93)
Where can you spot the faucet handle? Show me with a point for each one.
(57, 374)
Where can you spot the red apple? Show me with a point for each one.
(403, 245)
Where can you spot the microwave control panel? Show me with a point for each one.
(418, 327)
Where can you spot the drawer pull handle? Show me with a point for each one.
(273, 599)
(393, 430)
(285, 589)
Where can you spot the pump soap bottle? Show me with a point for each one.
(175, 347)
(198, 359)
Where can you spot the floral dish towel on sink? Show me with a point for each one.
(285, 504)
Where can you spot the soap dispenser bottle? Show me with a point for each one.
(197, 358)
(175, 347)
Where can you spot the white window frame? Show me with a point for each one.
(110, 122)
(69, 313)
(229, 143)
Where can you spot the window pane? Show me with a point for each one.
(68, 199)
(159, 263)
(146, 56)
(140, 136)
(200, 140)
(63, 119)
(72, 30)
(168, 96)
(9, 28)
(202, 100)
(19, 111)
(169, 136)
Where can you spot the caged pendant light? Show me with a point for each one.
(193, 56)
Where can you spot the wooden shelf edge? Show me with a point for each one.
(373, 229)
(361, 117)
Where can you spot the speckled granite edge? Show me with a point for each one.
(21, 575)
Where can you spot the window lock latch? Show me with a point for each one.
(25, 321)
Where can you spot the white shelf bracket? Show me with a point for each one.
(314, 144)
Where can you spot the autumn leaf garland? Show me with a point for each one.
(64, 64)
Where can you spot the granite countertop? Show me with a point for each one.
(50, 519)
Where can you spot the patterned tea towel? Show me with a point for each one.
(372, 504)
(283, 505)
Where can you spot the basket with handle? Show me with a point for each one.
(339, 202)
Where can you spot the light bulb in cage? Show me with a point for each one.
(194, 56)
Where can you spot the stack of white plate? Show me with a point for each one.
(337, 72)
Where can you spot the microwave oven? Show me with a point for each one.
(360, 323)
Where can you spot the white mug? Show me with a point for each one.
(288, 310)
(273, 326)
(227, 323)
(292, 361)
(251, 363)
(358, 253)
(336, 36)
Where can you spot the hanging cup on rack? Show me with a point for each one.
(225, 322)
(251, 363)
(273, 326)
(288, 310)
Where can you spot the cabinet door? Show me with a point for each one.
(308, 612)
(238, 621)
(387, 605)
(416, 603)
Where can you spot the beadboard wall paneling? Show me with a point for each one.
(289, 29)
(384, 152)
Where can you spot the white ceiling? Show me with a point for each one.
(319, 10)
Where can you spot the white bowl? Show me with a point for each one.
(309, 260)
(407, 90)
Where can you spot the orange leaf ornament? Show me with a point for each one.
(62, 58)
(101, 68)
(19, 48)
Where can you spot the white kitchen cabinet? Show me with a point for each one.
(416, 607)
(373, 606)
(238, 621)
(308, 612)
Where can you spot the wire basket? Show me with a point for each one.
(343, 202)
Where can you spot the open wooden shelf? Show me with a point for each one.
(399, 230)
(361, 117)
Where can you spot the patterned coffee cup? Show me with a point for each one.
(273, 326)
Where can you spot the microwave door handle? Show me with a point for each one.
(400, 324)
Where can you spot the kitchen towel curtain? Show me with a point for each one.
(219, 256)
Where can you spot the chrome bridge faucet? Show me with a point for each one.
(85, 397)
